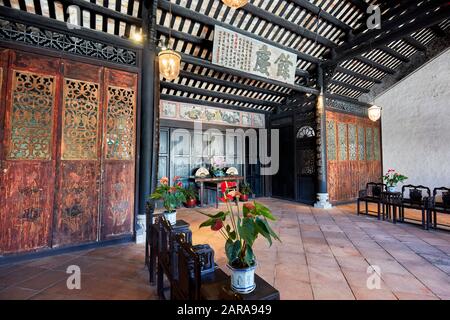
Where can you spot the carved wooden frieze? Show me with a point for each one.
(31, 116)
(80, 120)
(120, 123)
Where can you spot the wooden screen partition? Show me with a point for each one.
(119, 129)
(67, 155)
(353, 155)
(28, 157)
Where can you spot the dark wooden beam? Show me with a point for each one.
(415, 43)
(349, 86)
(336, 96)
(357, 75)
(438, 32)
(286, 24)
(218, 95)
(211, 22)
(360, 4)
(209, 103)
(305, 4)
(230, 84)
(425, 21)
(104, 11)
(376, 65)
(207, 64)
(394, 54)
(59, 26)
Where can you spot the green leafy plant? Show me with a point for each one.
(240, 229)
(245, 188)
(190, 192)
(392, 178)
(172, 196)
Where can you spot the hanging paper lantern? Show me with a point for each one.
(169, 64)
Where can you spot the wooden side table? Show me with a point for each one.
(220, 290)
(391, 201)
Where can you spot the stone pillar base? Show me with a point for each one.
(322, 201)
(141, 228)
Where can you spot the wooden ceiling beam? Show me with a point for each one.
(230, 84)
(357, 75)
(415, 43)
(305, 4)
(216, 94)
(211, 22)
(349, 86)
(286, 24)
(394, 54)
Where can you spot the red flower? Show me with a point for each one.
(164, 180)
(172, 190)
(218, 224)
(180, 184)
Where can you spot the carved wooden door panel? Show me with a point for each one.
(78, 175)
(28, 156)
(118, 158)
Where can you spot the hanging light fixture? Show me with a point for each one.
(169, 60)
(374, 113)
(235, 4)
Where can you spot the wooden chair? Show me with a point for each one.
(372, 194)
(391, 204)
(415, 197)
(440, 203)
(188, 282)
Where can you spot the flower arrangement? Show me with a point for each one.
(392, 178)
(217, 166)
(172, 196)
(239, 228)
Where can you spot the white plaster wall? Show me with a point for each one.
(416, 124)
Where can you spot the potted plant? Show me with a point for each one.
(245, 191)
(190, 194)
(392, 178)
(240, 229)
(172, 197)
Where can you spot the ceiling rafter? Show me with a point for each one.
(216, 94)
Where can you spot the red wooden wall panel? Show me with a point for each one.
(347, 173)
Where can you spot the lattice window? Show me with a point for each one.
(305, 132)
(369, 144)
(80, 120)
(120, 123)
(361, 144)
(342, 136)
(352, 142)
(31, 116)
(376, 143)
(331, 140)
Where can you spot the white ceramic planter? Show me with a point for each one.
(391, 189)
(171, 217)
(243, 280)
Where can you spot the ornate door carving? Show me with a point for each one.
(78, 187)
(119, 153)
(28, 158)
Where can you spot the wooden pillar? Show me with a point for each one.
(322, 192)
(149, 102)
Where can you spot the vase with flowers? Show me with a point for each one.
(172, 197)
(392, 178)
(217, 166)
(240, 229)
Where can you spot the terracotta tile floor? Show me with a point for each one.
(325, 254)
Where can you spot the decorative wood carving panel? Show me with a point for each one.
(120, 123)
(80, 120)
(31, 116)
(357, 148)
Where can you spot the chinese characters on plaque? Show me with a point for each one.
(236, 51)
